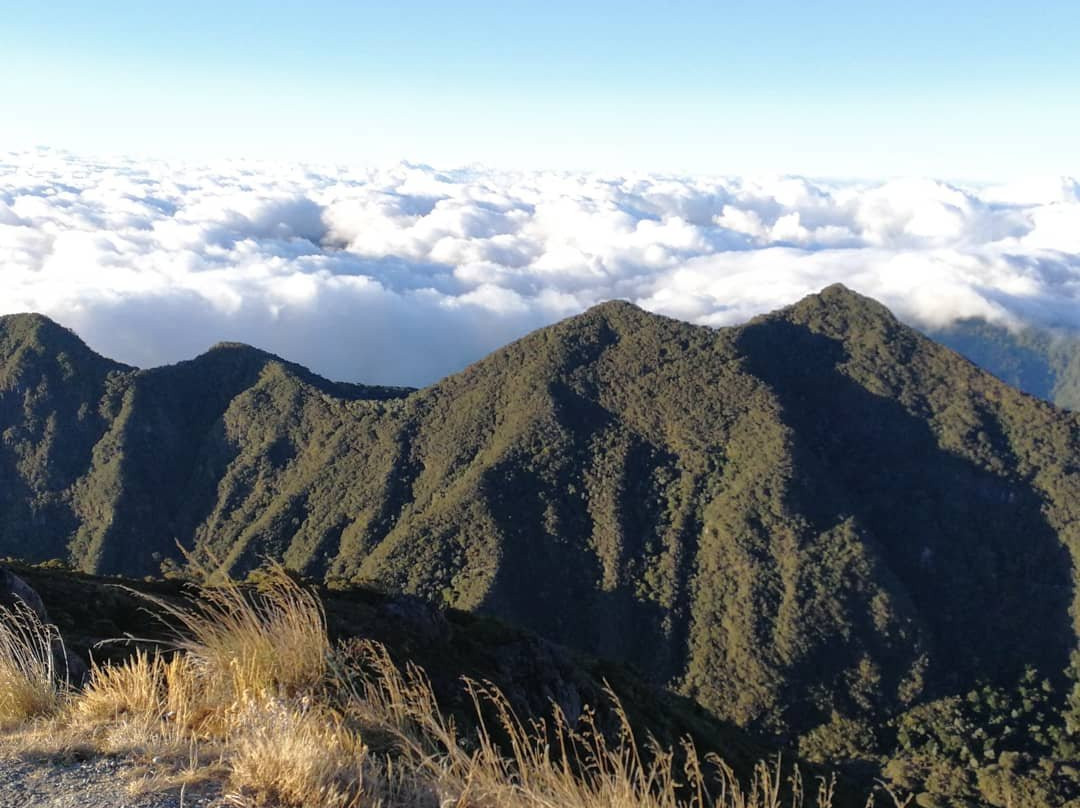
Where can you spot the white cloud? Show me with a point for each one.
(405, 273)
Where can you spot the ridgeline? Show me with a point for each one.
(814, 524)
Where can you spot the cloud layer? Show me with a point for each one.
(405, 273)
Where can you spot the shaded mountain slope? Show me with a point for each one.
(107, 465)
(820, 513)
(54, 410)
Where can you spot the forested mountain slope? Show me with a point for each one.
(821, 513)
(1040, 361)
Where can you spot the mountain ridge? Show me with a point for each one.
(816, 514)
(1041, 362)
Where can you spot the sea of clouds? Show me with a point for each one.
(402, 274)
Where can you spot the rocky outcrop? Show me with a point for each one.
(17, 596)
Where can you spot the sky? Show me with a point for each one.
(387, 192)
(964, 90)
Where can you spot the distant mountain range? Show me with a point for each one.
(819, 516)
(1042, 361)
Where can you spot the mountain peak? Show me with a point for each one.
(38, 334)
(614, 313)
(615, 305)
(248, 361)
(622, 316)
(237, 352)
(839, 296)
(237, 361)
(31, 326)
(840, 312)
(25, 318)
(239, 347)
(838, 290)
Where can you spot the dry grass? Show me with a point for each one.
(243, 644)
(147, 704)
(287, 754)
(136, 687)
(30, 684)
(257, 698)
(540, 764)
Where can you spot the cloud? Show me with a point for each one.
(405, 273)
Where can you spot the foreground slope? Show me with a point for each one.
(819, 514)
(451, 647)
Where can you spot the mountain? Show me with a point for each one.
(1043, 362)
(819, 517)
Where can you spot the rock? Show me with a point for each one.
(419, 617)
(15, 592)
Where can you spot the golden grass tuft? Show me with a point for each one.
(146, 703)
(243, 643)
(286, 753)
(135, 687)
(30, 684)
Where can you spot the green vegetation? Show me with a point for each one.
(1043, 362)
(814, 525)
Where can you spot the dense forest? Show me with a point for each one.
(821, 525)
(1042, 361)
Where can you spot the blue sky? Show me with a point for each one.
(971, 90)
